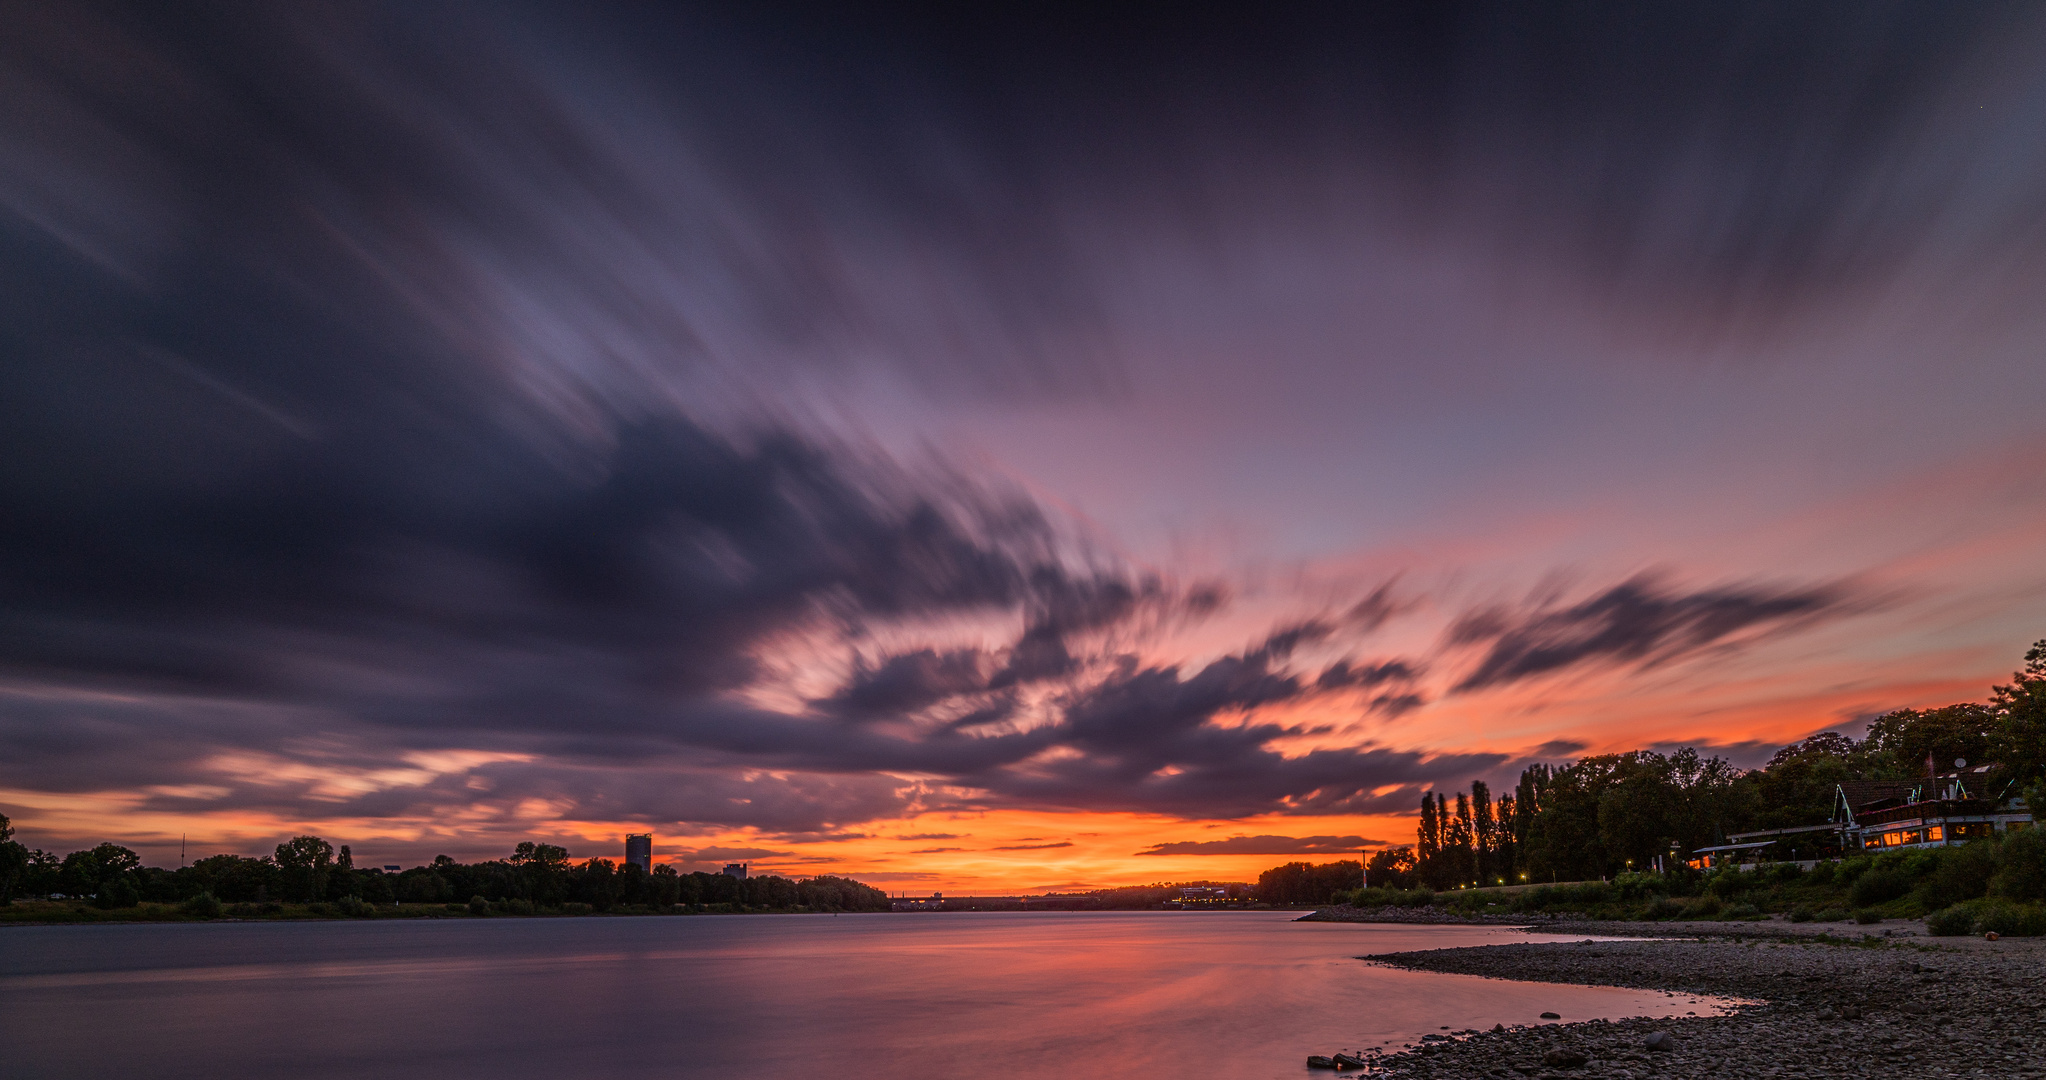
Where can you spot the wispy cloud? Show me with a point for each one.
(1266, 845)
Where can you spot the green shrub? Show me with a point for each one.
(1867, 916)
(1955, 921)
(202, 906)
(1664, 908)
(457, 908)
(351, 906)
(1704, 907)
(1821, 874)
(1728, 884)
(576, 909)
(1961, 873)
(1834, 914)
(479, 906)
(1741, 910)
(1881, 884)
(117, 893)
(2021, 866)
(2012, 920)
(1801, 913)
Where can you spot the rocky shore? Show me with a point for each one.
(1431, 915)
(1817, 1010)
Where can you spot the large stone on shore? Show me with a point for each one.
(1560, 1058)
(1552, 1016)
(1660, 1042)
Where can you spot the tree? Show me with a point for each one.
(13, 861)
(1390, 868)
(1485, 834)
(1303, 883)
(1908, 741)
(2019, 710)
(542, 870)
(1428, 841)
(1800, 783)
(305, 863)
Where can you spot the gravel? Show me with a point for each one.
(1812, 1011)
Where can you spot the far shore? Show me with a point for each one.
(84, 913)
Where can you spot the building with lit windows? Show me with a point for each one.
(1966, 804)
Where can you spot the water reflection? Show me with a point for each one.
(1030, 996)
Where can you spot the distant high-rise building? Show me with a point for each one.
(737, 870)
(639, 849)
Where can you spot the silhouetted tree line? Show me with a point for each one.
(1605, 814)
(307, 869)
(1307, 883)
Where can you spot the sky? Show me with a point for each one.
(991, 448)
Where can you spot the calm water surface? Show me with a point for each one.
(905, 996)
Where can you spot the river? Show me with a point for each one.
(1026, 996)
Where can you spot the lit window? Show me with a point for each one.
(1936, 833)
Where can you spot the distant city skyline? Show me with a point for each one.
(985, 449)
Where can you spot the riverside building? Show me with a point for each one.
(1940, 810)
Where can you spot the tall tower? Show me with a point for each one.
(639, 850)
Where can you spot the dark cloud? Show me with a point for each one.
(1343, 674)
(1558, 748)
(1266, 845)
(729, 854)
(907, 682)
(368, 396)
(932, 836)
(1638, 622)
(1034, 847)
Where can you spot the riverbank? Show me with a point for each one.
(1428, 915)
(1821, 1007)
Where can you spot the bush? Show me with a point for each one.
(1728, 884)
(202, 906)
(351, 907)
(2021, 866)
(1868, 916)
(1782, 873)
(1962, 873)
(1955, 921)
(1740, 911)
(460, 908)
(479, 906)
(1664, 908)
(1879, 885)
(1801, 913)
(117, 893)
(1705, 907)
(2013, 920)
(576, 909)
(1834, 914)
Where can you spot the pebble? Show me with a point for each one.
(1808, 1012)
